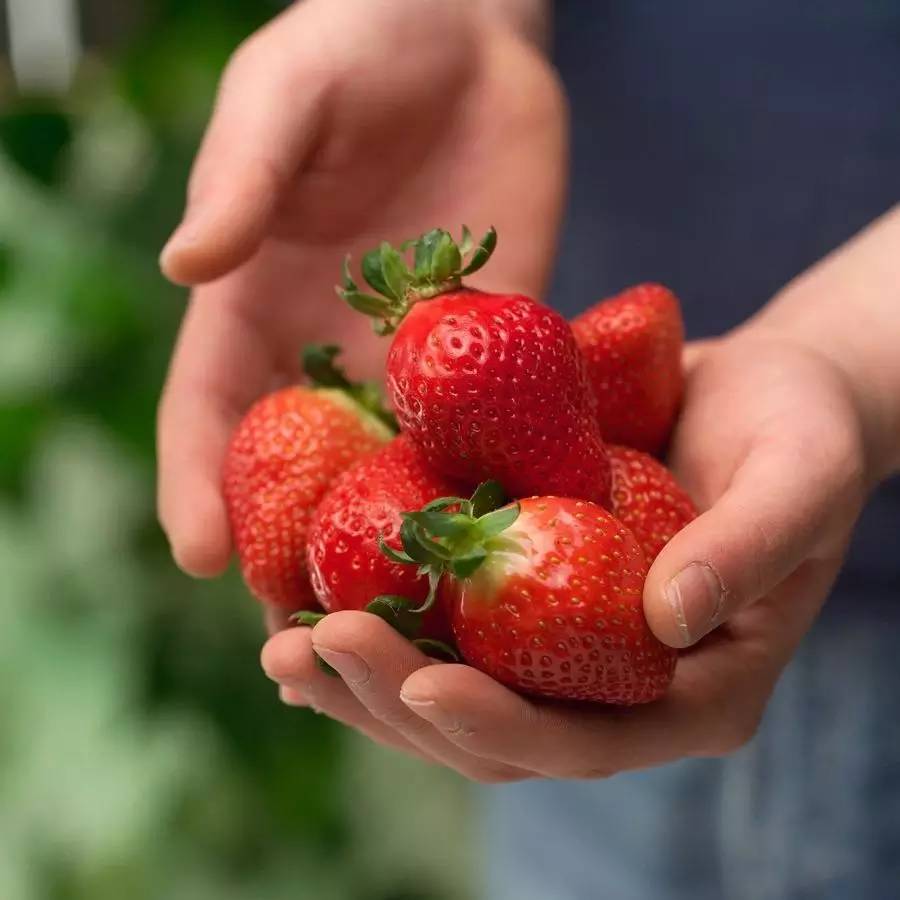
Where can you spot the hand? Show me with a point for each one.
(339, 125)
(770, 446)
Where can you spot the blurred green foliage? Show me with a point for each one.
(142, 752)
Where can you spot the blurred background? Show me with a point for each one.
(142, 752)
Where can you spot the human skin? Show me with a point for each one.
(301, 164)
(789, 421)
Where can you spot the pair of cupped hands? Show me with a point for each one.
(341, 124)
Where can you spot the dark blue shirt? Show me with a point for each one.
(722, 148)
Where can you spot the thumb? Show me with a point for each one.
(264, 123)
(774, 515)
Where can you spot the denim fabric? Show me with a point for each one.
(809, 809)
(722, 146)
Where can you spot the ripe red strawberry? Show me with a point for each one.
(546, 597)
(283, 455)
(486, 385)
(347, 568)
(647, 498)
(632, 344)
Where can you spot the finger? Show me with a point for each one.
(221, 364)
(374, 661)
(266, 119)
(776, 513)
(288, 659)
(276, 619)
(489, 721)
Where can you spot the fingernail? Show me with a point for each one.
(292, 696)
(351, 667)
(183, 236)
(431, 711)
(695, 596)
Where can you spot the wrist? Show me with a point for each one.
(845, 308)
(874, 403)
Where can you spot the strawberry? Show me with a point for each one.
(632, 344)
(486, 385)
(283, 455)
(647, 498)
(347, 568)
(545, 594)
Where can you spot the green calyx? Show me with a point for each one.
(454, 536)
(398, 613)
(439, 263)
(319, 366)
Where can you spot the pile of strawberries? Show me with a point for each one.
(512, 520)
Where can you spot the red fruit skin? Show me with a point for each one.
(346, 567)
(493, 386)
(565, 619)
(647, 499)
(633, 344)
(283, 455)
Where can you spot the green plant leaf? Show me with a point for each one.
(394, 272)
(488, 496)
(319, 366)
(445, 260)
(413, 547)
(442, 524)
(437, 649)
(482, 252)
(464, 566)
(371, 270)
(397, 611)
(424, 251)
(397, 556)
(499, 520)
(465, 245)
(441, 503)
(307, 617)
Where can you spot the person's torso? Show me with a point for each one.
(722, 148)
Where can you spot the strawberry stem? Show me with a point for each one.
(439, 263)
(453, 536)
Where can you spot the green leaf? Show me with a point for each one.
(411, 544)
(397, 612)
(371, 270)
(482, 252)
(394, 272)
(307, 617)
(397, 556)
(424, 252)
(367, 304)
(383, 327)
(441, 503)
(499, 520)
(442, 524)
(464, 566)
(319, 365)
(434, 581)
(347, 278)
(488, 496)
(445, 261)
(465, 245)
(437, 649)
